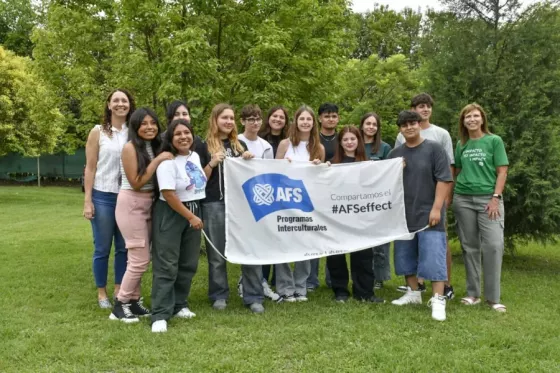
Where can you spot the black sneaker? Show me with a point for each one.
(137, 308)
(122, 312)
(286, 298)
(404, 288)
(372, 299)
(341, 298)
(448, 292)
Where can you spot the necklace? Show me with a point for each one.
(326, 138)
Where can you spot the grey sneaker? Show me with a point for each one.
(104, 303)
(219, 304)
(256, 308)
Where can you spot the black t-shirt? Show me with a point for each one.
(215, 184)
(330, 143)
(274, 141)
(347, 159)
(426, 164)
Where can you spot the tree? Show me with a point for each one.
(514, 72)
(17, 19)
(30, 123)
(374, 84)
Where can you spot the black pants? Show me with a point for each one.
(361, 267)
(266, 269)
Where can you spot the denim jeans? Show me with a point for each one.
(214, 217)
(313, 279)
(382, 262)
(425, 256)
(105, 232)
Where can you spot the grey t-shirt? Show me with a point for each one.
(426, 164)
(437, 134)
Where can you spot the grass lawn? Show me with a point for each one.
(50, 322)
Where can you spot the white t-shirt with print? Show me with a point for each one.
(259, 147)
(184, 175)
(437, 134)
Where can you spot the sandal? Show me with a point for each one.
(498, 307)
(470, 301)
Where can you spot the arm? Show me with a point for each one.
(130, 165)
(441, 193)
(322, 155)
(449, 197)
(92, 154)
(176, 204)
(282, 149)
(493, 207)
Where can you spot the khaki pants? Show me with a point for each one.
(482, 240)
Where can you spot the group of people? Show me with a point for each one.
(151, 193)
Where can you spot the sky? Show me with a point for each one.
(398, 5)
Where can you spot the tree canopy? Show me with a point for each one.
(293, 52)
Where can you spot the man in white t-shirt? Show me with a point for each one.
(251, 119)
(423, 104)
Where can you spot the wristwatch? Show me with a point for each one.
(498, 196)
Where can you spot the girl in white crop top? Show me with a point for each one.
(302, 144)
(101, 184)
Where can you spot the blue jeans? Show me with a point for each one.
(214, 217)
(105, 231)
(424, 256)
(313, 279)
(381, 262)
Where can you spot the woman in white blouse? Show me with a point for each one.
(102, 181)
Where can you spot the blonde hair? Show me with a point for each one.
(314, 144)
(463, 132)
(215, 144)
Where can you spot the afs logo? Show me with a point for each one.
(268, 193)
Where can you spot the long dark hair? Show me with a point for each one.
(360, 149)
(266, 132)
(139, 143)
(172, 108)
(167, 143)
(377, 137)
(106, 126)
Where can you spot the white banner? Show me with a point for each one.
(278, 212)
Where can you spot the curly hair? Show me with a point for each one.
(106, 126)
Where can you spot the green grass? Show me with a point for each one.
(49, 320)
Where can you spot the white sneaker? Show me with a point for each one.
(185, 313)
(410, 297)
(438, 307)
(269, 293)
(159, 326)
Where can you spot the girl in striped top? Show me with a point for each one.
(133, 211)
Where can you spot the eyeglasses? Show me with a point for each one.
(253, 120)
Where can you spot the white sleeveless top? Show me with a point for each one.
(298, 153)
(150, 184)
(108, 173)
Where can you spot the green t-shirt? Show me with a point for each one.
(381, 154)
(478, 160)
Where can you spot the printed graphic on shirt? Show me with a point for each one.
(475, 155)
(197, 179)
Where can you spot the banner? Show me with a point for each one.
(279, 211)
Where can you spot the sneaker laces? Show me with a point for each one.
(126, 310)
(140, 304)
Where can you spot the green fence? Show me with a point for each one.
(65, 166)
